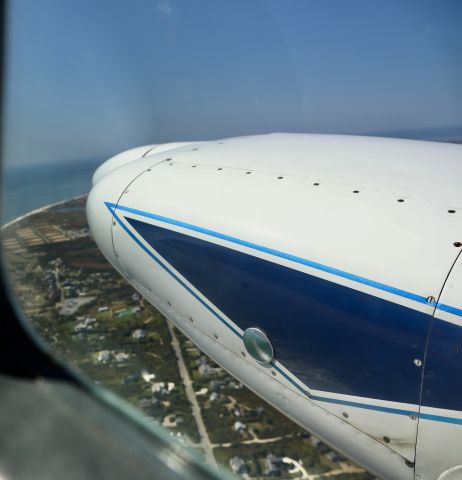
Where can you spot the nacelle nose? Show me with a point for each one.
(120, 160)
(106, 190)
(111, 180)
(133, 154)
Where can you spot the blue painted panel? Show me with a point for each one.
(331, 337)
(442, 385)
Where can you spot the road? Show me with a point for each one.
(205, 440)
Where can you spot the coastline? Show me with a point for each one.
(41, 209)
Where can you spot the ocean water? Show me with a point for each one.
(26, 188)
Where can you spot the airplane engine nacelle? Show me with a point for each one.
(324, 272)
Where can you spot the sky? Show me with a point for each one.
(89, 79)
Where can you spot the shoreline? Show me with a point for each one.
(41, 209)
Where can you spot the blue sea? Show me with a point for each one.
(28, 187)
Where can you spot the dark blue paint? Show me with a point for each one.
(332, 337)
(442, 385)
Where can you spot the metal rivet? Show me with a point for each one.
(355, 191)
(400, 200)
(417, 362)
(345, 414)
(386, 439)
(114, 223)
(280, 178)
(409, 464)
(216, 336)
(191, 319)
(194, 166)
(248, 173)
(126, 191)
(273, 373)
(316, 184)
(243, 354)
(451, 211)
(413, 416)
(430, 299)
(169, 304)
(219, 168)
(458, 244)
(148, 170)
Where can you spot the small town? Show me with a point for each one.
(90, 317)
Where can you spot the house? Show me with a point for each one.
(333, 456)
(84, 324)
(216, 385)
(205, 369)
(121, 356)
(239, 427)
(234, 385)
(273, 465)
(147, 377)
(104, 356)
(159, 387)
(238, 465)
(315, 441)
(163, 388)
(138, 334)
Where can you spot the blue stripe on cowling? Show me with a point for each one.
(378, 408)
(367, 406)
(440, 418)
(293, 258)
(449, 309)
(394, 411)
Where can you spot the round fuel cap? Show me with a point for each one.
(258, 346)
